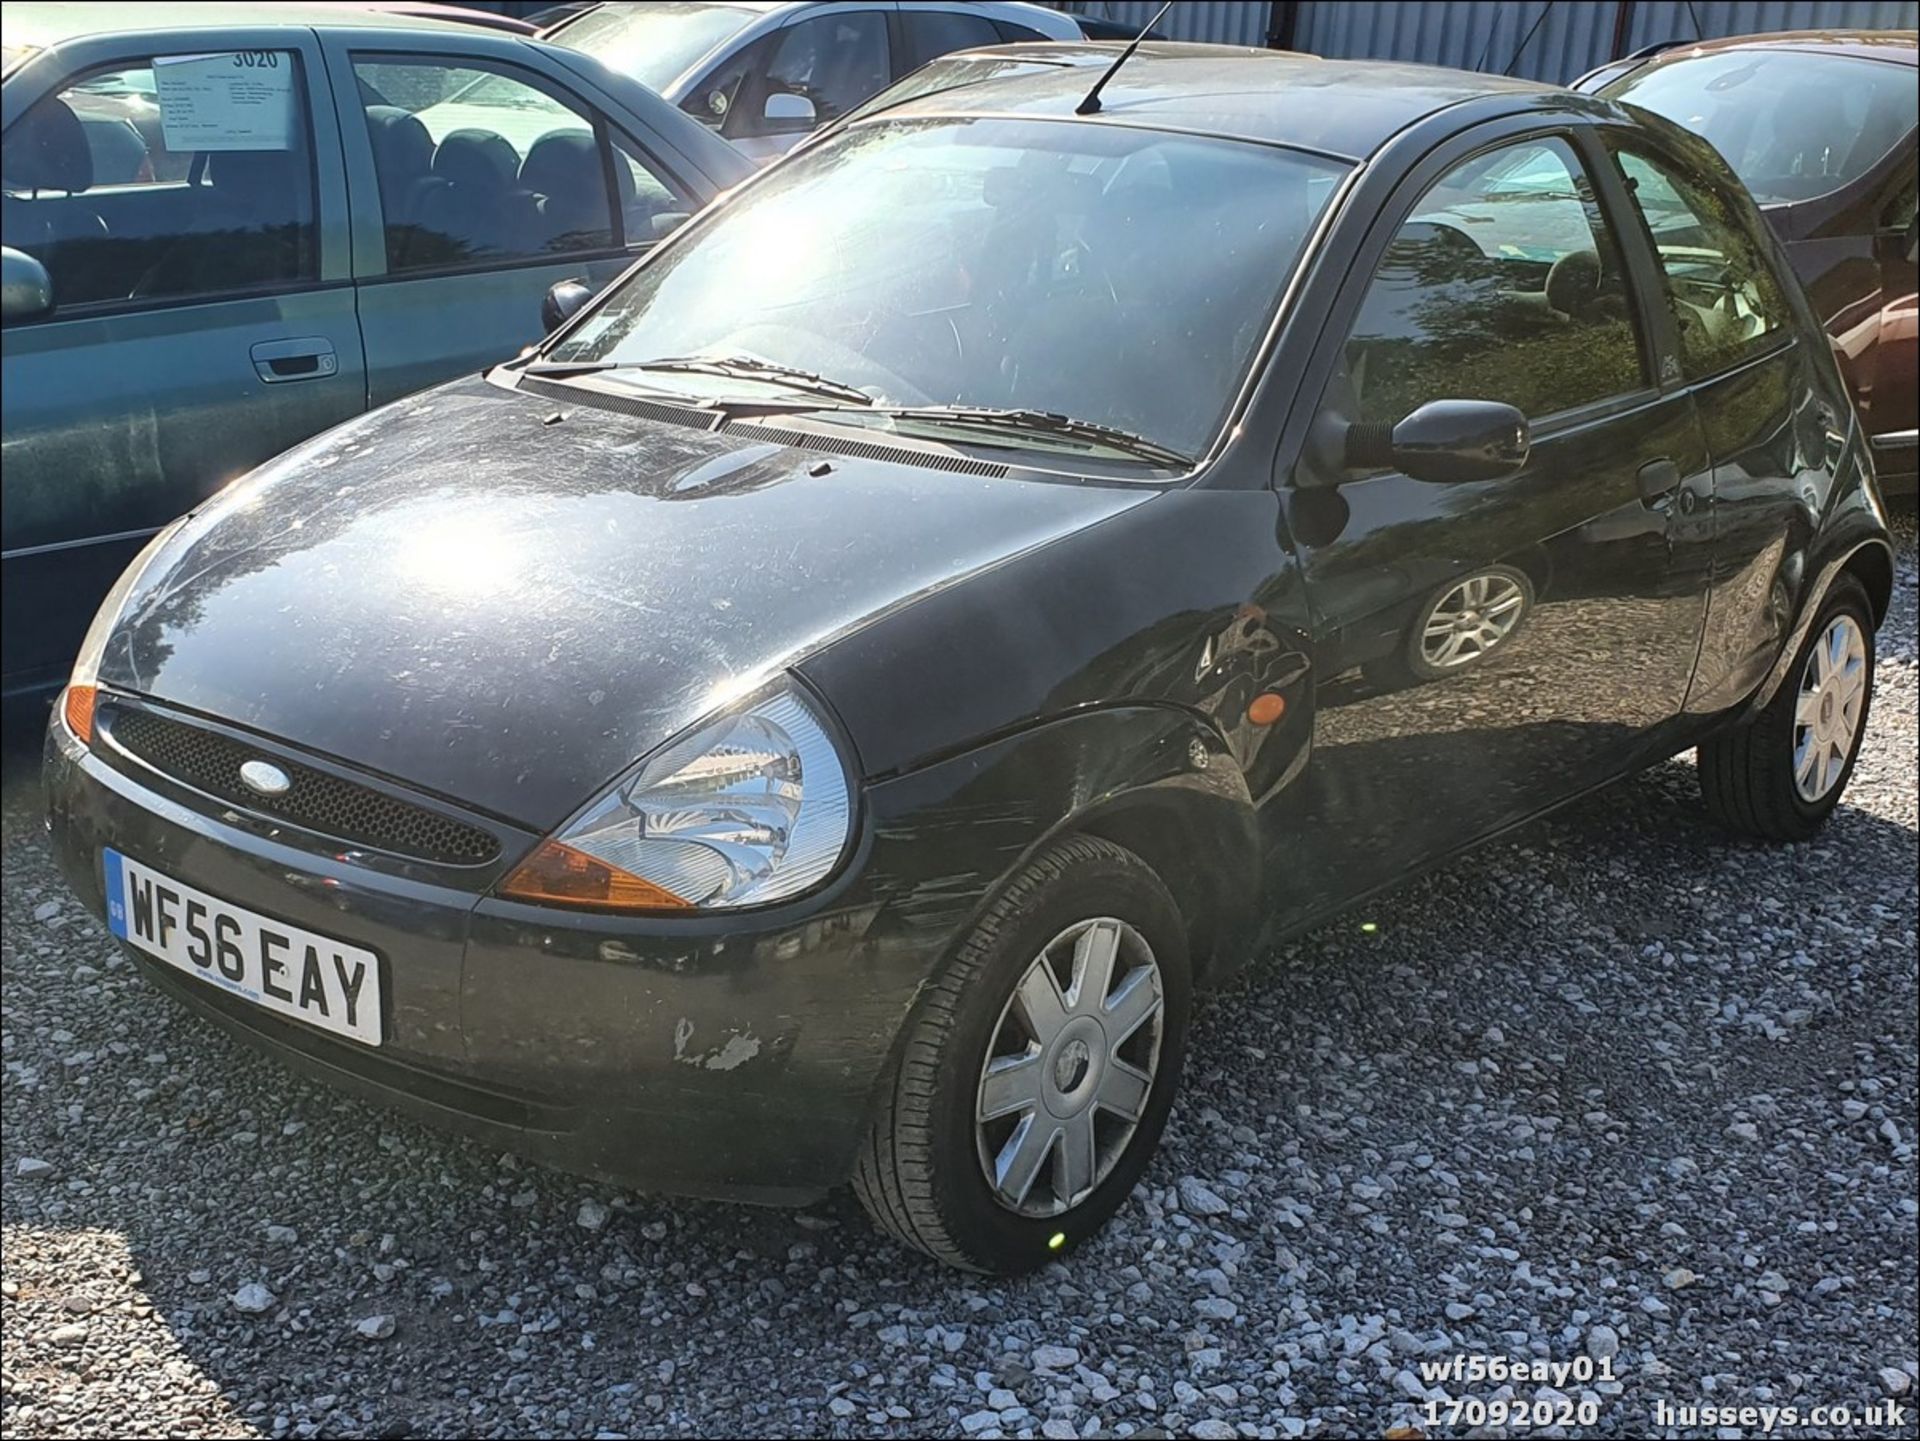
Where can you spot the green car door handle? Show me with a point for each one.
(308, 357)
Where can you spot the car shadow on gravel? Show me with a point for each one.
(1524, 1097)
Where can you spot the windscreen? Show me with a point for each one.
(654, 43)
(1117, 276)
(1792, 124)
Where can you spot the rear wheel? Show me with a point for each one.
(1037, 1071)
(1779, 774)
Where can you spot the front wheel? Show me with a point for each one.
(1779, 774)
(1038, 1069)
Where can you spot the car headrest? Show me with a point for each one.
(1573, 283)
(566, 162)
(48, 150)
(476, 158)
(402, 148)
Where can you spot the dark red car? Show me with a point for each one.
(1820, 125)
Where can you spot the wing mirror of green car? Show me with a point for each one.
(26, 291)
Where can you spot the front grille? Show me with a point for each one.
(315, 800)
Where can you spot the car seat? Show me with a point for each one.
(252, 226)
(403, 165)
(563, 174)
(479, 212)
(47, 151)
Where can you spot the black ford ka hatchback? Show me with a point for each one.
(821, 715)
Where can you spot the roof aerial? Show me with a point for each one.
(1091, 105)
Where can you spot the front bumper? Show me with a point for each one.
(732, 1057)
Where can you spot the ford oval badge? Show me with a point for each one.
(265, 778)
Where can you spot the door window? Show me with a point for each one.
(1719, 285)
(176, 177)
(480, 165)
(1504, 285)
(834, 60)
(929, 34)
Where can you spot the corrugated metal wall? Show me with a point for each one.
(1535, 38)
(1673, 19)
(1218, 22)
(1476, 35)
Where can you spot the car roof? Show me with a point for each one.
(1347, 108)
(40, 23)
(1899, 46)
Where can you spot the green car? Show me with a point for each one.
(221, 238)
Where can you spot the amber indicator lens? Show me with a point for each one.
(77, 706)
(1266, 709)
(557, 873)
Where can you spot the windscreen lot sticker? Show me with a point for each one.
(299, 973)
(236, 100)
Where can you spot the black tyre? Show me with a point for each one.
(1023, 1109)
(1779, 774)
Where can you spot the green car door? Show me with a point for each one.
(496, 176)
(185, 196)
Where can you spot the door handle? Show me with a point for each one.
(1658, 480)
(306, 357)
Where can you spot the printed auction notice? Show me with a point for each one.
(236, 100)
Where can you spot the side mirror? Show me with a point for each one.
(26, 291)
(1446, 441)
(790, 112)
(563, 302)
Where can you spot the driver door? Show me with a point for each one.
(1486, 649)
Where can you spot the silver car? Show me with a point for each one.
(766, 75)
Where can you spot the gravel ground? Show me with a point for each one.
(1618, 1087)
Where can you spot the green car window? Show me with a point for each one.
(148, 181)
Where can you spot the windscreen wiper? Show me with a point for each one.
(567, 367)
(750, 367)
(1016, 420)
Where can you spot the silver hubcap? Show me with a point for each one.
(1070, 1067)
(1471, 619)
(1826, 718)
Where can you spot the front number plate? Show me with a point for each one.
(311, 977)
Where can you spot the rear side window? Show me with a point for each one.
(176, 177)
(1722, 291)
(490, 165)
(933, 33)
(1504, 284)
(1012, 34)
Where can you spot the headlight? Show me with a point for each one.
(750, 808)
(77, 701)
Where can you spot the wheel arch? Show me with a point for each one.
(1202, 855)
(1869, 561)
(1872, 565)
